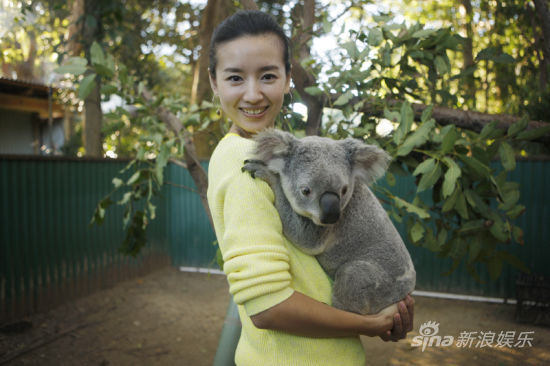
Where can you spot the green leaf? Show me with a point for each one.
(424, 167)
(477, 203)
(498, 230)
(451, 176)
(162, 160)
(461, 207)
(451, 201)
(134, 178)
(449, 140)
(344, 98)
(314, 90)
(507, 156)
(423, 33)
(510, 199)
(152, 209)
(514, 261)
(441, 65)
(417, 231)
(417, 138)
(518, 126)
(534, 133)
(474, 248)
(117, 182)
(487, 130)
(75, 66)
(375, 37)
(400, 203)
(427, 113)
(97, 55)
(99, 213)
(405, 118)
(125, 198)
(108, 89)
(86, 86)
(429, 179)
(470, 227)
(515, 212)
(475, 166)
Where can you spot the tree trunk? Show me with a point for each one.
(469, 54)
(93, 116)
(304, 15)
(541, 7)
(214, 12)
(74, 46)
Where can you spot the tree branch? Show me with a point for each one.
(470, 120)
(192, 162)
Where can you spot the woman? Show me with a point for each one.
(282, 293)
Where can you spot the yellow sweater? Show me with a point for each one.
(263, 268)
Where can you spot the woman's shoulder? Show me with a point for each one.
(228, 158)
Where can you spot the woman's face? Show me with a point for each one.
(251, 81)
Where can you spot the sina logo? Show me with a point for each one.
(428, 337)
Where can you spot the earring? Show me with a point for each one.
(218, 110)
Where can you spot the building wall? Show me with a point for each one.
(16, 132)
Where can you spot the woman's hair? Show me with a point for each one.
(247, 23)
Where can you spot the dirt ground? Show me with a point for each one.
(175, 318)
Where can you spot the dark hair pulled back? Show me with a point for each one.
(247, 23)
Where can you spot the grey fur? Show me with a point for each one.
(362, 251)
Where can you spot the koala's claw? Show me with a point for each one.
(257, 169)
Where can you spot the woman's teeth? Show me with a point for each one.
(253, 111)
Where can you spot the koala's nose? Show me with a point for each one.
(330, 207)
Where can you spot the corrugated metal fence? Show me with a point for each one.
(49, 253)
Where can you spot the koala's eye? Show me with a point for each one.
(306, 191)
(344, 190)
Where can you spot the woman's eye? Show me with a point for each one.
(234, 78)
(270, 77)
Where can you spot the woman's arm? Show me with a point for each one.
(302, 315)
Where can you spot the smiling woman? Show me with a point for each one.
(282, 293)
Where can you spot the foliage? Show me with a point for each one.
(469, 216)
(155, 146)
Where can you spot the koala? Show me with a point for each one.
(327, 210)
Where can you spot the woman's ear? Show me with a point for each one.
(213, 83)
(288, 80)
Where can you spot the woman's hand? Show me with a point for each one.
(402, 320)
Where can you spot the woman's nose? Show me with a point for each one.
(252, 93)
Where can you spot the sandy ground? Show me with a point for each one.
(175, 318)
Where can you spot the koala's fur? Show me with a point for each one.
(327, 210)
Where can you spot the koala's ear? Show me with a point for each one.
(272, 146)
(369, 162)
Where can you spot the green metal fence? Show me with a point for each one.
(49, 253)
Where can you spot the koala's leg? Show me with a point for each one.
(362, 287)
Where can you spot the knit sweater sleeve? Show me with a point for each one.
(256, 260)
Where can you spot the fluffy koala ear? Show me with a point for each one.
(369, 162)
(272, 146)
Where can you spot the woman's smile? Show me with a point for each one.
(251, 81)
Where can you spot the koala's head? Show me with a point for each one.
(318, 174)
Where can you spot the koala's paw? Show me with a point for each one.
(258, 169)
